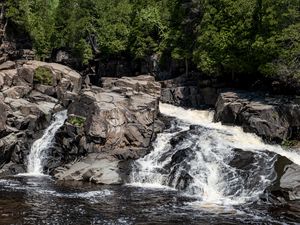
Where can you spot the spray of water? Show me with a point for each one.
(39, 148)
(199, 161)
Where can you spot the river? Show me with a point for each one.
(199, 172)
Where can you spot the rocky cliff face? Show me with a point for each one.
(26, 106)
(193, 91)
(120, 121)
(274, 118)
(105, 128)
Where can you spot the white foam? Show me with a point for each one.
(152, 186)
(213, 180)
(40, 146)
(233, 134)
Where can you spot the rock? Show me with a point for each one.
(290, 182)
(195, 91)
(45, 89)
(11, 169)
(26, 73)
(7, 77)
(274, 119)
(17, 92)
(119, 121)
(93, 168)
(8, 65)
(107, 127)
(60, 72)
(26, 106)
(7, 145)
(3, 116)
(115, 119)
(36, 96)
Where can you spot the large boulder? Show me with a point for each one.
(93, 168)
(48, 78)
(63, 77)
(273, 118)
(118, 120)
(290, 182)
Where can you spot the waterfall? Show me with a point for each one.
(39, 148)
(217, 164)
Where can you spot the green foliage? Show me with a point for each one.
(149, 30)
(249, 36)
(76, 120)
(38, 17)
(43, 75)
(218, 36)
(289, 143)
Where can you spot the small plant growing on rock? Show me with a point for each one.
(289, 143)
(43, 75)
(76, 120)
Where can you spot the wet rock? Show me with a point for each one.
(11, 169)
(180, 155)
(290, 181)
(274, 119)
(242, 160)
(7, 145)
(93, 168)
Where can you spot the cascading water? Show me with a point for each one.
(219, 164)
(40, 146)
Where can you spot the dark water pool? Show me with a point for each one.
(32, 200)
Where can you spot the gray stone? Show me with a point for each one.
(93, 168)
(290, 181)
(26, 73)
(121, 120)
(274, 119)
(8, 65)
(3, 116)
(7, 145)
(17, 92)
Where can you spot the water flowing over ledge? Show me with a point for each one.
(39, 148)
(207, 160)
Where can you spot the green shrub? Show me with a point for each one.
(43, 75)
(289, 143)
(77, 120)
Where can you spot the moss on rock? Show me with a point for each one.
(43, 75)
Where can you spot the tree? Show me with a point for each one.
(38, 17)
(149, 28)
(186, 16)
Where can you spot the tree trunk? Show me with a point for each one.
(186, 66)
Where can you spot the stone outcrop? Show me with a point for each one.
(119, 121)
(106, 127)
(194, 91)
(26, 105)
(273, 118)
